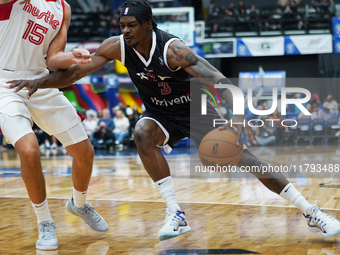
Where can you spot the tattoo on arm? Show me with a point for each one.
(191, 58)
(170, 57)
(201, 69)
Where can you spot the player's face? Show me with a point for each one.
(132, 30)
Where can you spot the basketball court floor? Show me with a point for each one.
(227, 215)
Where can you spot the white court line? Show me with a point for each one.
(181, 202)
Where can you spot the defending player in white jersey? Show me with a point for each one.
(29, 32)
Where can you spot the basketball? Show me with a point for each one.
(219, 147)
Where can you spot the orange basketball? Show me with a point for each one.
(219, 147)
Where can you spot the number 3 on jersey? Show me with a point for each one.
(34, 32)
(165, 88)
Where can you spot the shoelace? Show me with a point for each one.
(48, 231)
(175, 221)
(89, 210)
(318, 221)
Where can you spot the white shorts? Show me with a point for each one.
(48, 108)
(13, 128)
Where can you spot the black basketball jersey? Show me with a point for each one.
(162, 90)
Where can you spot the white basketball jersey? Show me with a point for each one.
(26, 32)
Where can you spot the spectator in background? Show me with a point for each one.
(44, 140)
(114, 28)
(103, 138)
(232, 7)
(315, 111)
(95, 17)
(122, 125)
(303, 116)
(252, 18)
(300, 22)
(288, 13)
(265, 132)
(125, 109)
(277, 119)
(135, 117)
(316, 100)
(263, 23)
(332, 104)
(282, 3)
(242, 17)
(216, 18)
(107, 119)
(99, 114)
(311, 9)
(90, 123)
(228, 15)
(128, 112)
(241, 5)
(176, 3)
(212, 7)
(331, 7)
(291, 107)
(325, 112)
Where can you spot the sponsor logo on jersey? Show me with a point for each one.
(46, 16)
(142, 76)
(163, 77)
(168, 103)
(58, 6)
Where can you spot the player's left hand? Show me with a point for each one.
(81, 56)
(241, 124)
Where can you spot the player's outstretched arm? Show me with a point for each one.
(56, 57)
(180, 55)
(109, 50)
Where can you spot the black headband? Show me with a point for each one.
(137, 11)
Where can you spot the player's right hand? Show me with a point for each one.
(81, 56)
(17, 85)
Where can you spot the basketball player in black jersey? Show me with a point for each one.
(160, 66)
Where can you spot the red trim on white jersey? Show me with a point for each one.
(5, 10)
(63, 4)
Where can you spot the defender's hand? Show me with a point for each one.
(17, 85)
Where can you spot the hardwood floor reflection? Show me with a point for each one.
(224, 213)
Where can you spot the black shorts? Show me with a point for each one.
(193, 126)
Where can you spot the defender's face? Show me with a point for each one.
(132, 30)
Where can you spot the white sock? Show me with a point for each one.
(291, 194)
(167, 191)
(42, 211)
(79, 198)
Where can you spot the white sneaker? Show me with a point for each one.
(175, 224)
(317, 221)
(54, 146)
(47, 238)
(92, 219)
